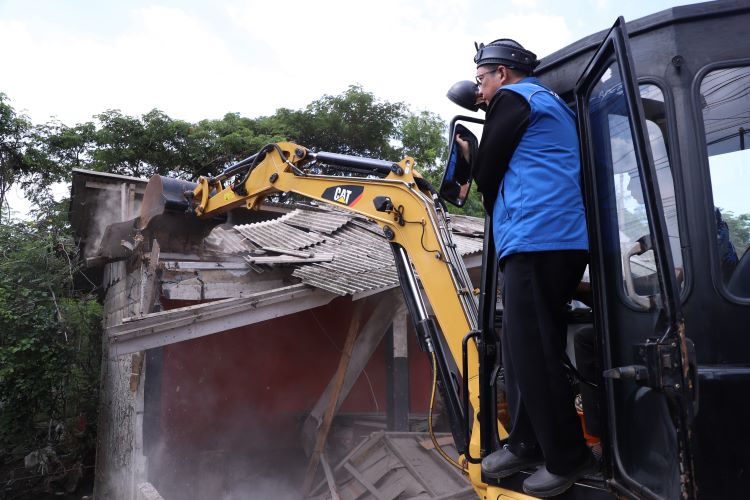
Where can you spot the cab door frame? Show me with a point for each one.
(662, 363)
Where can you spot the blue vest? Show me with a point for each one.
(539, 205)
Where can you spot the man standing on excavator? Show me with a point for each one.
(528, 171)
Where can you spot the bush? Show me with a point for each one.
(49, 345)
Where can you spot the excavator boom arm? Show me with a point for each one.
(418, 231)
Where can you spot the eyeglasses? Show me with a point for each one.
(479, 78)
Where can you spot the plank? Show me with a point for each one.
(329, 478)
(338, 383)
(366, 344)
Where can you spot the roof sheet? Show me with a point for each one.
(362, 259)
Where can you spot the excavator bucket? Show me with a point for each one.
(164, 195)
(165, 215)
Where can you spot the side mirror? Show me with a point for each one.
(457, 176)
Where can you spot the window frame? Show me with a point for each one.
(705, 173)
(675, 165)
(673, 150)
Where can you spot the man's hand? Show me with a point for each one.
(464, 145)
(463, 191)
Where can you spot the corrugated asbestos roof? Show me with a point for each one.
(281, 235)
(362, 259)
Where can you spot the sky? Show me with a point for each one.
(70, 60)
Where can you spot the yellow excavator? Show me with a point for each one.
(415, 224)
(664, 118)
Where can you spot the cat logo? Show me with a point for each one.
(342, 195)
(346, 195)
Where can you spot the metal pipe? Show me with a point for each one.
(465, 392)
(429, 337)
(487, 344)
(234, 169)
(381, 166)
(414, 301)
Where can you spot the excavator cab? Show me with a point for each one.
(662, 104)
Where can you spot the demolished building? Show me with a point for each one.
(227, 355)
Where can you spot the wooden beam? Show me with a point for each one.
(146, 491)
(203, 289)
(177, 325)
(330, 478)
(338, 382)
(114, 187)
(149, 283)
(263, 259)
(368, 340)
(371, 488)
(220, 280)
(191, 265)
(287, 251)
(290, 259)
(136, 368)
(397, 379)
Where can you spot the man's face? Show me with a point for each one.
(490, 78)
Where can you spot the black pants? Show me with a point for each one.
(537, 287)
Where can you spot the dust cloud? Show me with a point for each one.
(107, 206)
(238, 466)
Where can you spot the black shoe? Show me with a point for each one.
(544, 484)
(503, 463)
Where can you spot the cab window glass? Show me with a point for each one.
(631, 274)
(640, 281)
(725, 102)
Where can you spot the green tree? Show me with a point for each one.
(354, 123)
(473, 205)
(213, 145)
(150, 144)
(49, 334)
(58, 150)
(423, 136)
(140, 147)
(739, 230)
(15, 147)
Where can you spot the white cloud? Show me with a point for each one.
(174, 60)
(525, 3)
(540, 33)
(254, 56)
(600, 4)
(171, 61)
(176, 63)
(398, 51)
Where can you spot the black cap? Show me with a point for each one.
(508, 53)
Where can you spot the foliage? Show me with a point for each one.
(49, 339)
(739, 230)
(58, 149)
(473, 205)
(15, 146)
(423, 136)
(353, 123)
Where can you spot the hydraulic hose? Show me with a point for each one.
(429, 419)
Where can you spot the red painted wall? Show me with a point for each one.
(256, 383)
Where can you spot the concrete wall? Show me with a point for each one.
(119, 461)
